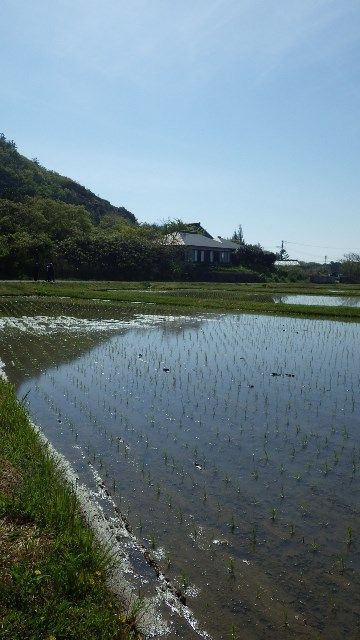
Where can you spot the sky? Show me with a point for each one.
(223, 112)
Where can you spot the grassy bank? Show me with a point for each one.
(172, 297)
(52, 574)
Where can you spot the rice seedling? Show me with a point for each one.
(253, 537)
(286, 623)
(341, 564)
(231, 523)
(231, 567)
(314, 546)
(349, 536)
(184, 581)
(194, 531)
(153, 541)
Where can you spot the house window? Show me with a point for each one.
(202, 256)
(211, 256)
(222, 256)
(195, 255)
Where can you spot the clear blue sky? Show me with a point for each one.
(219, 111)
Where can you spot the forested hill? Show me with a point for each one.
(48, 218)
(21, 177)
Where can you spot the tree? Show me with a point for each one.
(283, 255)
(21, 177)
(253, 256)
(350, 265)
(238, 235)
(173, 226)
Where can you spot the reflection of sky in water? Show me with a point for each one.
(200, 425)
(321, 301)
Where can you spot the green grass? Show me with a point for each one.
(172, 297)
(52, 574)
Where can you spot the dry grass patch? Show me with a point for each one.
(20, 543)
(10, 478)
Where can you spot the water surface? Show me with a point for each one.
(231, 444)
(321, 301)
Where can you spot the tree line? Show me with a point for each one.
(45, 217)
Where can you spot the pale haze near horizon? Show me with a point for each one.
(213, 111)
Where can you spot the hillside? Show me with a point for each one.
(48, 218)
(21, 177)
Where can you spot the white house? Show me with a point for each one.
(203, 248)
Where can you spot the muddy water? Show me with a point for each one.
(232, 446)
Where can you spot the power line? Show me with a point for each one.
(317, 246)
(303, 253)
(312, 255)
(316, 257)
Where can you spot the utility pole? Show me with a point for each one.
(283, 255)
(282, 250)
(325, 259)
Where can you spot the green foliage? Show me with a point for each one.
(254, 257)
(46, 217)
(57, 590)
(21, 177)
(167, 297)
(34, 229)
(350, 266)
(282, 255)
(125, 257)
(238, 235)
(290, 274)
(172, 226)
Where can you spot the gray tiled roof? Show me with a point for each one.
(198, 240)
(228, 244)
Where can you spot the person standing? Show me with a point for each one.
(36, 271)
(50, 272)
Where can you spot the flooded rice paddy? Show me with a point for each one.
(229, 443)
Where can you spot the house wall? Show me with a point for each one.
(208, 256)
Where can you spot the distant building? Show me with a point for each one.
(287, 263)
(203, 248)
